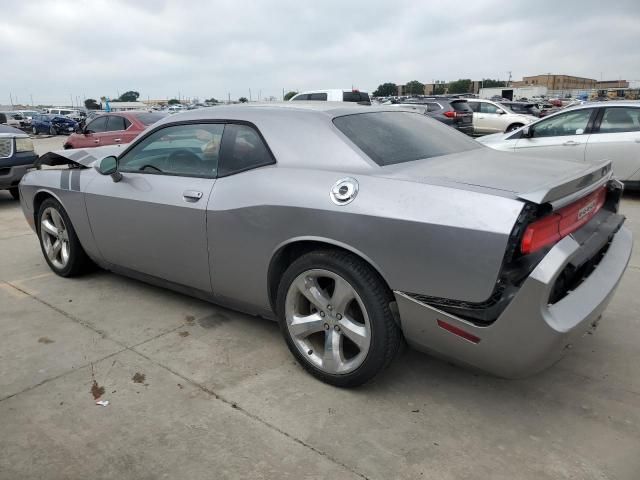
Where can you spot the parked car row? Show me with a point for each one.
(16, 156)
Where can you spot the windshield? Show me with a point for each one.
(396, 137)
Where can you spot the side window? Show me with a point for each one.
(620, 119)
(318, 96)
(3, 118)
(242, 149)
(475, 106)
(488, 108)
(569, 123)
(115, 123)
(301, 97)
(127, 123)
(184, 150)
(433, 107)
(98, 125)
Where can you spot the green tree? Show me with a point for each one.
(130, 96)
(386, 90)
(211, 100)
(489, 82)
(289, 95)
(243, 100)
(414, 87)
(439, 89)
(460, 86)
(91, 104)
(173, 101)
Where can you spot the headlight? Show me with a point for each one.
(24, 145)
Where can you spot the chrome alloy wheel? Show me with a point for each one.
(55, 238)
(327, 321)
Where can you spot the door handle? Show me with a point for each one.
(116, 139)
(571, 143)
(96, 141)
(191, 195)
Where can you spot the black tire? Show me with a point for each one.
(386, 337)
(15, 193)
(513, 127)
(78, 261)
(34, 130)
(52, 131)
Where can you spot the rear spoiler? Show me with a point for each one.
(80, 158)
(571, 189)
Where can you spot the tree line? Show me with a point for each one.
(414, 87)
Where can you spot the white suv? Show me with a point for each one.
(334, 95)
(491, 117)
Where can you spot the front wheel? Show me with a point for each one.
(34, 130)
(15, 193)
(513, 127)
(58, 240)
(334, 313)
(52, 130)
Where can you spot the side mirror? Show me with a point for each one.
(500, 112)
(79, 129)
(527, 131)
(109, 166)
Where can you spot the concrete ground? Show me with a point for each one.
(198, 391)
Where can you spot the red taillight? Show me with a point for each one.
(559, 224)
(451, 114)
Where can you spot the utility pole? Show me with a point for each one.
(11, 100)
(509, 81)
(260, 96)
(283, 94)
(249, 94)
(229, 97)
(31, 95)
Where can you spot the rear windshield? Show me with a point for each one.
(461, 106)
(397, 137)
(150, 118)
(355, 97)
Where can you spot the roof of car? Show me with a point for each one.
(302, 108)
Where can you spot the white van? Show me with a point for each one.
(334, 95)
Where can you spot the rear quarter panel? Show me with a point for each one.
(421, 238)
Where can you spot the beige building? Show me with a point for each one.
(605, 84)
(557, 82)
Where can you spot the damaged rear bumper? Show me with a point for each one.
(530, 334)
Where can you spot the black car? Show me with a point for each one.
(16, 156)
(454, 112)
(525, 108)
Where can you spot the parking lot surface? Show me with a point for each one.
(198, 391)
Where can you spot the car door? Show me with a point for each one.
(489, 118)
(564, 135)
(153, 221)
(114, 132)
(91, 136)
(616, 137)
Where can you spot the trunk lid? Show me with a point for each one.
(535, 179)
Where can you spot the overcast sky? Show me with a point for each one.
(57, 49)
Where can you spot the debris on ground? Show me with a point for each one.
(45, 340)
(139, 377)
(190, 319)
(96, 390)
(183, 334)
(102, 403)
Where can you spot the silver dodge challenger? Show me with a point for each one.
(356, 228)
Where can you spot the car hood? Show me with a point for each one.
(494, 138)
(85, 157)
(536, 179)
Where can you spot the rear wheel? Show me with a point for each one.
(513, 127)
(334, 313)
(15, 193)
(58, 240)
(34, 130)
(52, 130)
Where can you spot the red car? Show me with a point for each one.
(112, 129)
